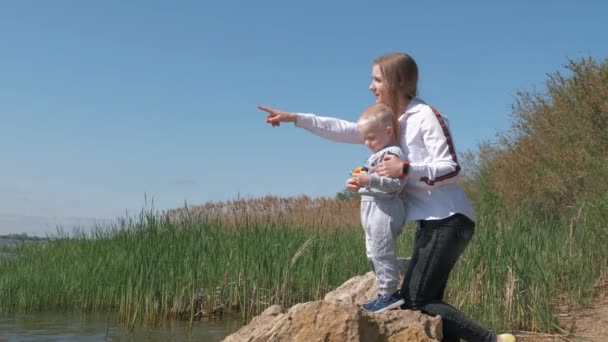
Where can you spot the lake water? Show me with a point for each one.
(98, 327)
(7, 242)
(4, 242)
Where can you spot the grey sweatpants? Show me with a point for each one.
(383, 221)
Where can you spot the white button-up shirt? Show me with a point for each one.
(431, 191)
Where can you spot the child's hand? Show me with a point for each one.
(362, 178)
(352, 185)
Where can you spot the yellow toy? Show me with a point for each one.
(358, 170)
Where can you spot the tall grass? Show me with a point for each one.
(555, 154)
(295, 212)
(541, 190)
(521, 270)
(156, 267)
(515, 273)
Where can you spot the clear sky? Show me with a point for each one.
(106, 103)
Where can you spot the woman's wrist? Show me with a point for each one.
(291, 117)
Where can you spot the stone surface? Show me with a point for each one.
(338, 318)
(338, 321)
(360, 289)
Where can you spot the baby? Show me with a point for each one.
(382, 207)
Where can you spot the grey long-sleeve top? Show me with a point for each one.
(381, 187)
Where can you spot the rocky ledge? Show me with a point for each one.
(338, 318)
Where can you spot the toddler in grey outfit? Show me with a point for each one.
(382, 206)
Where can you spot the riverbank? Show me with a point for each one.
(515, 275)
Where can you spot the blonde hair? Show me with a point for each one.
(400, 76)
(379, 115)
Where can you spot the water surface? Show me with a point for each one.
(99, 327)
(102, 327)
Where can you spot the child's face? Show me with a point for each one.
(376, 138)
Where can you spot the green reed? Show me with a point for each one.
(520, 269)
(513, 276)
(154, 268)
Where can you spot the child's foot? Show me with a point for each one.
(384, 303)
(369, 303)
(506, 338)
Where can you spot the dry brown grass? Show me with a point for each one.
(294, 212)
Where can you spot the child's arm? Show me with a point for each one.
(384, 183)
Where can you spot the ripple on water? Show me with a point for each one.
(99, 327)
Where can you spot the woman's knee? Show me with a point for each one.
(413, 305)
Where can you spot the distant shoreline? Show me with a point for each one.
(22, 237)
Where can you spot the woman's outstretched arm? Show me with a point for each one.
(327, 127)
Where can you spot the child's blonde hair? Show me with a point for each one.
(379, 115)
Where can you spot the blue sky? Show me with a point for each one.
(105, 103)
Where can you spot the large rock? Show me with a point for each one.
(338, 318)
(360, 288)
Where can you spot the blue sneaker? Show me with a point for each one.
(367, 305)
(385, 303)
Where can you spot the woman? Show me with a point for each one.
(432, 195)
